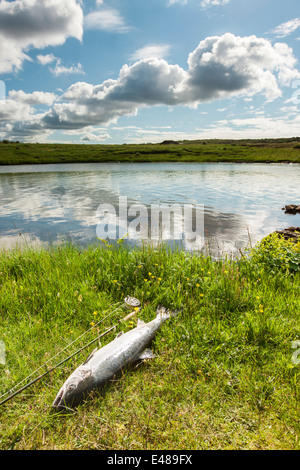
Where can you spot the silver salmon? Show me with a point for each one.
(107, 362)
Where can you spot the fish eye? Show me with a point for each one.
(71, 387)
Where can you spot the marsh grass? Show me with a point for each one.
(223, 377)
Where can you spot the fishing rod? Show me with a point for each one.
(129, 302)
(62, 350)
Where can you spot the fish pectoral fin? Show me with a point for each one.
(140, 323)
(119, 334)
(89, 357)
(146, 354)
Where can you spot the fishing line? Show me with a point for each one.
(57, 354)
(53, 368)
(129, 301)
(66, 359)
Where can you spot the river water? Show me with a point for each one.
(241, 202)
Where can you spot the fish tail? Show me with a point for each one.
(166, 313)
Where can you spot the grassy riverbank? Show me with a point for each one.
(259, 151)
(223, 377)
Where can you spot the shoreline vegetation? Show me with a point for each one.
(225, 375)
(238, 151)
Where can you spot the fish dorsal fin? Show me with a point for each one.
(140, 322)
(90, 356)
(146, 354)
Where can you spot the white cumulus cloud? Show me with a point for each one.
(158, 51)
(33, 99)
(26, 24)
(17, 114)
(59, 69)
(220, 67)
(228, 65)
(46, 59)
(106, 19)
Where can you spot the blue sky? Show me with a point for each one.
(115, 71)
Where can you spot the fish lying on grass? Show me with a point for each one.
(105, 363)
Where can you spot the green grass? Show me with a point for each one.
(260, 151)
(223, 377)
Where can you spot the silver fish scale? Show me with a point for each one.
(104, 364)
(123, 350)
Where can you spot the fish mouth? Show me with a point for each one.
(57, 404)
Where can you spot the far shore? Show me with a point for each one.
(283, 151)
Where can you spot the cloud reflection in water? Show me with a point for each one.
(53, 202)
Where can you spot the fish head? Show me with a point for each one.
(74, 389)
